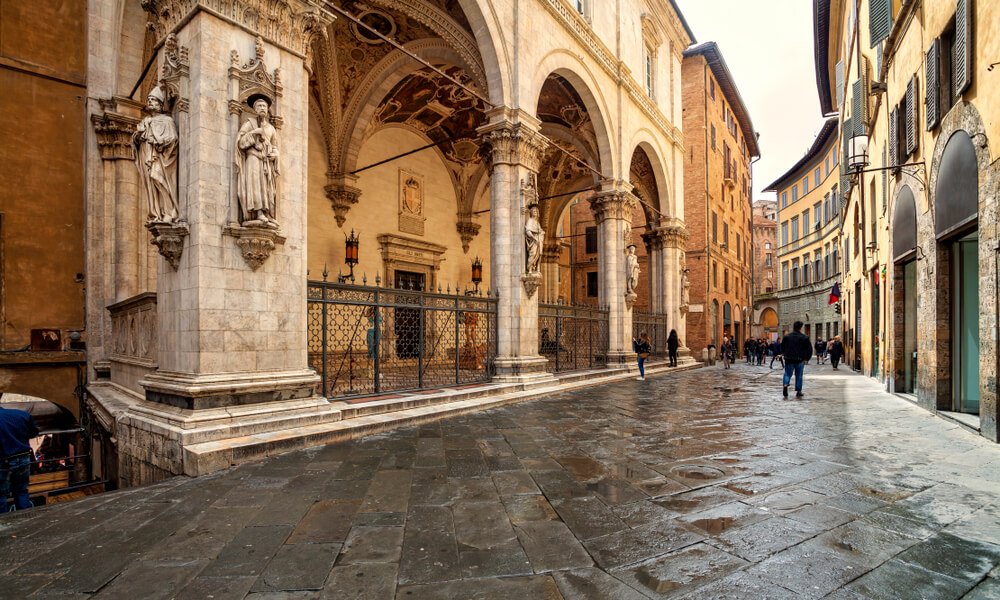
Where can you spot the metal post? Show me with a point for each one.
(378, 341)
(323, 320)
(458, 315)
(420, 341)
(559, 319)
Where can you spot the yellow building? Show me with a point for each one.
(910, 84)
(808, 230)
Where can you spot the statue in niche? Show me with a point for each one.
(155, 141)
(257, 166)
(534, 237)
(685, 288)
(631, 270)
(412, 200)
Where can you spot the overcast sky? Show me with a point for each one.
(768, 45)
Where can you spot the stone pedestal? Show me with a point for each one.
(513, 149)
(612, 208)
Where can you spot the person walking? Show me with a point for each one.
(17, 428)
(776, 353)
(761, 351)
(797, 350)
(836, 352)
(818, 347)
(642, 348)
(727, 351)
(673, 343)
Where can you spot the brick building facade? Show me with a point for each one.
(765, 280)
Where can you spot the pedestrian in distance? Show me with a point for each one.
(819, 347)
(749, 350)
(726, 351)
(17, 428)
(776, 354)
(761, 351)
(642, 348)
(673, 343)
(836, 351)
(797, 350)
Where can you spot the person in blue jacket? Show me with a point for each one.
(17, 428)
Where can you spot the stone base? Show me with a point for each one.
(521, 369)
(622, 358)
(201, 392)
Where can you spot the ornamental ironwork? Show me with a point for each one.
(572, 338)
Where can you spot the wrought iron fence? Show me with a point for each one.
(370, 340)
(656, 326)
(573, 337)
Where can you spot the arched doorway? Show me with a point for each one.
(904, 257)
(956, 213)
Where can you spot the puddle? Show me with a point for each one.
(716, 525)
(700, 472)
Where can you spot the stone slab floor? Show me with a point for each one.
(703, 484)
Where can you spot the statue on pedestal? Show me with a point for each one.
(155, 141)
(534, 238)
(257, 166)
(631, 270)
(685, 289)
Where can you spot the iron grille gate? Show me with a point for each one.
(656, 326)
(370, 340)
(573, 337)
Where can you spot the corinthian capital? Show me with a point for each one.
(613, 203)
(508, 143)
(288, 24)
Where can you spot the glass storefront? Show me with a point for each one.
(910, 327)
(965, 323)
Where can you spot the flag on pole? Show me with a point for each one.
(835, 294)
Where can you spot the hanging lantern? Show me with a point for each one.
(477, 273)
(351, 249)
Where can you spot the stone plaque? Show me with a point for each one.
(696, 308)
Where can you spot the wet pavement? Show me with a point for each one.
(704, 484)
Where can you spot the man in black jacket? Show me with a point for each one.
(797, 350)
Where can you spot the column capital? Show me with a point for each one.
(673, 235)
(613, 203)
(114, 128)
(288, 24)
(512, 138)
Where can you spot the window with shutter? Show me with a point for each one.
(879, 20)
(885, 181)
(840, 83)
(878, 62)
(866, 90)
(893, 136)
(931, 81)
(911, 116)
(962, 49)
(857, 112)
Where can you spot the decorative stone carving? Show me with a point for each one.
(534, 239)
(631, 271)
(342, 197)
(175, 73)
(133, 330)
(512, 144)
(531, 282)
(467, 230)
(411, 203)
(169, 240)
(257, 166)
(255, 243)
(685, 291)
(290, 24)
(114, 135)
(155, 140)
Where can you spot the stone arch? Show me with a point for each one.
(644, 140)
(904, 223)
(769, 318)
(563, 63)
(490, 37)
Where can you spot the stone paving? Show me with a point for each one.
(703, 484)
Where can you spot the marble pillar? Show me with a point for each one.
(673, 236)
(232, 327)
(550, 273)
(612, 208)
(513, 148)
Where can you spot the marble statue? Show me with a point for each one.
(257, 166)
(631, 270)
(685, 288)
(534, 237)
(155, 141)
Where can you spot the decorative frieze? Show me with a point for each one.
(289, 24)
(133, 330)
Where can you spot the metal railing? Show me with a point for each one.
(656, 326)
(572, 337)
(367, 340)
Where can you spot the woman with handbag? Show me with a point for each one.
(642, 348)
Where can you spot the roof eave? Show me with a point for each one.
(821, 39)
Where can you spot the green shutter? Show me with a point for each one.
(857, 109)
(932, 83)
(961, 69)
(893, 138)
(911, 116)
(879, 20)
(840, 84)
(885, 181)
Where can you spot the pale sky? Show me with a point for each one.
(768, 45)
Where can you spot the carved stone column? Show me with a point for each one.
(612, 208)
(654, 256)
(550, 272)
(512, 147)
(673, 237)
(232, 316)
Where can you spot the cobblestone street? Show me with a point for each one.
(704, 484)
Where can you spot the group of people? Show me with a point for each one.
(643, 346)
